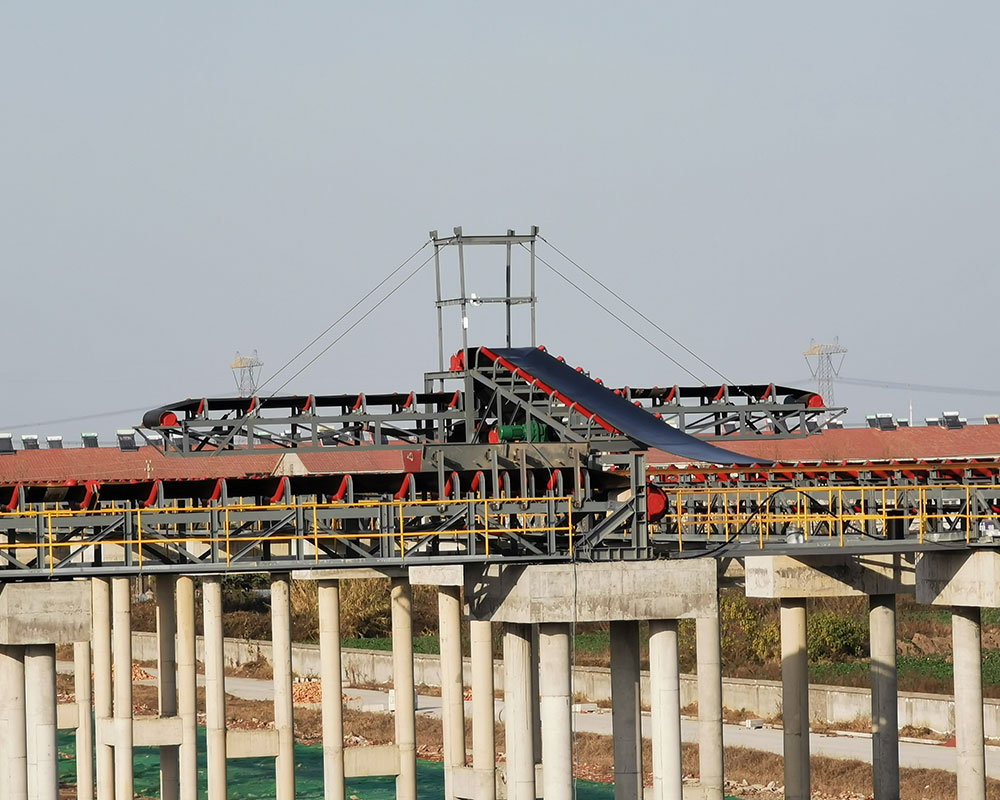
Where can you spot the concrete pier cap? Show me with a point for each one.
(961, 578)
(829, 575)
(596, 592)
(45, 613)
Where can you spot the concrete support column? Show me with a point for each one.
(333, 690)
(187, 688)
(103, 694)
(121, 613)
(969, 735)
(554, 685)
(483, 715)
(281, 659)
(215, 688)
(85, 724)
(40, 709)
(795, 697)
(885, 722)
(536, 696)
(710, 744)
(166, 668)
(14, 753)
(452, 688)
(402, 680)
(518, 711)
(626, 710)
(665, 693)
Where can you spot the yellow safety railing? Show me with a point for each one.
(824, 511)
(242, 523)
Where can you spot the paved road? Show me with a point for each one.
(911, 754)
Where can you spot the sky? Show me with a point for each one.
(182, 181)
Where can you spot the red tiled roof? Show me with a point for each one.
(869, 444)
(107, 464)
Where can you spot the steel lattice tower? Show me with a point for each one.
(823, 368)
(246, 372)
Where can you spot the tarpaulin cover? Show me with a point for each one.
(253, 778)
(634, 422)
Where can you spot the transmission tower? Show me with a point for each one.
(246, 373)
(823, 368)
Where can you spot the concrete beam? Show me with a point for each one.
(542, 593)
(45, 613)
(438, 575)
(839, 575)
(960, 578)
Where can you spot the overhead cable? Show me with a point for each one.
(636, 311)
(611, 313)
(340, 319)
(359, 320)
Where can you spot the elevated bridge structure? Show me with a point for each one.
(531, 495)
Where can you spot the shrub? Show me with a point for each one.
(748, 635)
(834, 635)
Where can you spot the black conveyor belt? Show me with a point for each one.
(634, 422)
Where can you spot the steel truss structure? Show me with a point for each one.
(509, 454)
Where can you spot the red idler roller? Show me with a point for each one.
(656, 503)
(159, 418)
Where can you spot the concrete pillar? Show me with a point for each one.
(121, 613)
(187, 688)
(795, 697)
(556, 697)
(452, 688)
(665, 694)
(483, 715)
(401, 605)
(518, 711)
(103, 695)
(166, 668)
(40, 710)
(969, 734)
(281, 659)
(215, 688)
(333, 690)
(626, 710)
(710, 744)
(885, 696)
(14, 753)
(536, 717)
(85, 722)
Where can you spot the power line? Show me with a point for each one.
(636, 311)
(611, 313)
(340, 319)
(358, 321)
(919, 387)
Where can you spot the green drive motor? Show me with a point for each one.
(534, 431)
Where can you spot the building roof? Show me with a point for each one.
(111, 465)
(868, 444)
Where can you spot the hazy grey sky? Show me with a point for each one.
(183, 180)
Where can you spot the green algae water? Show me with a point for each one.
(253, 778)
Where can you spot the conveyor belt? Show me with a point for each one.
(608, 407)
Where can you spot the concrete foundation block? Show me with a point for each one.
(829, 576)
(45, 613)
